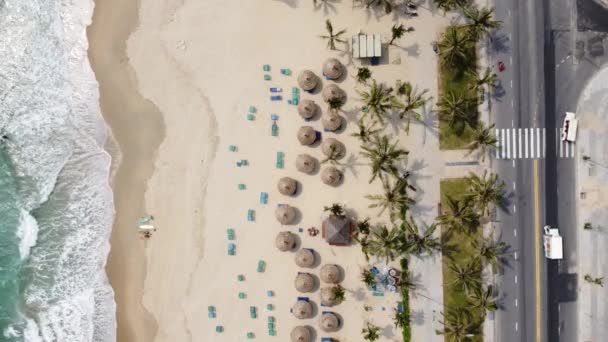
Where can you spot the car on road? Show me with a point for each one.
(501, 66)
(569, 127)
(553, 244)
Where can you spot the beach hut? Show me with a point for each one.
(307, 135)
(301, 334)
(332, 91)
(327, 296)
(285, 214)
(331, 176)
(329, 322)
(305, 282)
(307, 80)
(333, 69)
(330, 273)
(332, 147)
(337, 230)
(331, 121)
(285, 241)
(287, 186)
(307, 108)
(306, 163)
(305, 258)
(302, 309)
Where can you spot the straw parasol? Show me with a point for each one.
(333, 91)
(287, 186)
(285, 241)
(307, 80)
(305, 258)
(331, 176)
(333, 147)
(333, 69)
(301, 334)
(302, 309)
(306, 163)
(307, 108)
(331, 121)
(305, 282)
(330, 273)
(329, 322)
(307, 135)
(285, 214)
(327, 296)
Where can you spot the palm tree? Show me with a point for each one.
(368, 278)
(448, 5)
(401, 319)
(453, 46)
(420, 243)
(398, 31)
(338, 293)
(457, 110)
(484, 300)
(335, 104)
(363, 227)
(490, 251)
(467, 276)
(371, 332)
(387, 4)
(460, 215)
(483, 139)
(393, 198)
(363, 74)
(333, 157)
(488, 77)
(332, 38)
(334, 209)
(386, 243)
(457, 325)
(383, 156)
(363, 240)
(482, 22)
(412, 102)
(378, 100)
(406, 281)
(366, 133)
(486, 191)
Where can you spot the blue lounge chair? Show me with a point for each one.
(303, 299)
(276, 90)
(276, 98)
(250, 215)
(327, 339)
(263, 197)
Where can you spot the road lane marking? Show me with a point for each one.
(508, 144)
(502, 148)
(514, 208)
(544, 142)
(511, 83)
(526, 140)
(532, 143)
(561, 149)
(515, 279)
(513, 163)
(512, 104)
(511, 60)
(515, 232)
(537, 250)
(538, 143)
(514, 143)
(516, 302)
(515, 256)
(512, 123)
(516, 326)
(497, 153)
(514, 187)
(519, 134)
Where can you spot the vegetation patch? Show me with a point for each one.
(406, 329)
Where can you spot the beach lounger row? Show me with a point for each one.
(211, 312)
(276, 98)
(230, 234)
(263, 197)
(253, 312)
(271, 330)
(261, 266)
(250, 215)
(242, 162)
(280, 160)
(231, 249)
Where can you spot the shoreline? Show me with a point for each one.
(132, 160)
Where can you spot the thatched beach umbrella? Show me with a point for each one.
(332, 91)
(285, 241)
(287, 186)
(307, 108)
(331, 176)
(305, 282)
(329, 322)
(333, 147)
(330, 273)
(301, 334)
(307, 80)
(285, 214)
(307, 135)
(306, 163)
(333, 69)
(305, 258)
(331, 121)
(302, 309)
(327, 297)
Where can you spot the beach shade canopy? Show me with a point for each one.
(333, 69)
(330, 273)
(301, 334)
(332, 91)
(305, 258)
(307, 135)
(307, 108)
(287, 186)
(307, 80)
(306, 163)
(285, 214)
(285, 241)
(331, 121)
(327, 297)
(331, 176)
(337, 230)
(302, 309)
(333, 147)
(329, 322)
(305, 282)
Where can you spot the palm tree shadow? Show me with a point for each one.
(351, 114)
(498, 92)
(500, 43)
(327, 6)
(412, 50)
(290, 3)
(388, 331)
(359, 294)
(417, 317)
(351, 163)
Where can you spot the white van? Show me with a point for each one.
(569, 128)
(552, 242)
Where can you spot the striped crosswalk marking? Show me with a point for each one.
(528, 143)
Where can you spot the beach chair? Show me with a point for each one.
(261, 266)
(232, 148)
(303, 299)
(244, 162)
(295, 102)
(250, 215)
(269, 307)
(276, 90)
(240, 277)
(250, 336)
(266, 77)
(211, 315)
(274, 117)
(252, 109)
(219, 329)
(378, 294)
(241, 186)
(263, 197)
(280, 156)
(327, 339)
(253, 313)
(285, 72)
(270, 326)
(274, 130)
(269, 293)
(375, 61)
(400, 307)
(242, 295)
(276, 98)
(266, 67)
(230, 233)
(231, 249)
(250, 117)
(272, 333)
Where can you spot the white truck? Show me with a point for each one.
(552, 242)
(569, 127)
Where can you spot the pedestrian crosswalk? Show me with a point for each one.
(529, 143)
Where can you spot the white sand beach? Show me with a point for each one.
(178, 98)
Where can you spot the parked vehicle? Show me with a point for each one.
(552, 242)
(501, 66)
(569, 127)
